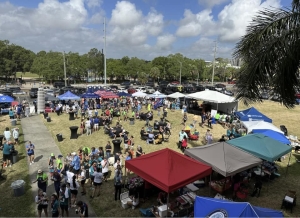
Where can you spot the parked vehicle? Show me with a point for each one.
(150, 90)
(227, 92)
(5, 107)
(264, 95)
(200, 88)
(126, 83)
(150, 84)
(141, 89)
(122, 89)
(131, 90)
(220, 87)
(212, 88)
(9, 93)
(33, 92)
(189, 89)
(58, 84)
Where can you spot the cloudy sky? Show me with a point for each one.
(136, 28)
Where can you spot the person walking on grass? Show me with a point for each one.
(42, 180)
(42, 203)
(30, 152)
(16, 135)
(7, 148)
(98, 177)
(55, 205)
(118, 184)
(82, 177)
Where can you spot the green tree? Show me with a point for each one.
(95, 62)
(142, 77)
(154, 72)
(270, 51)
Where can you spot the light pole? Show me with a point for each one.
(213, 73)
(180, 72)
(104, 54)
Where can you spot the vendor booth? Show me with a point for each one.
(224, 159)
(274, 135)
(139, 94)
(68, 96)
(211, 207)
(261, 146)
(157, 94)
(218, 101)
(251, 125)
(251, 114)
(90, 95)
(176, 95)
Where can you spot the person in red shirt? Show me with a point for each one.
(184, 143)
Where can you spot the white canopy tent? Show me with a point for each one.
(139, 94)
(218, 101)
(251, 125)
(157, 94)
(176, 95)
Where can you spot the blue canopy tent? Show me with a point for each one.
(261, 146)
(251, 114)
(6, 99)
(68, 96)
(90, 95)
(124, 94)
(211, 207)
(273, 134)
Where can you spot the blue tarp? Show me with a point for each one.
(211, 207)
(6, 99)
(68, 96)
(273, 134)
(90, 95)
(251, 114)
(124, 94)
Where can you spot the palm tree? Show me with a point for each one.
(271, 54)
(154, 72)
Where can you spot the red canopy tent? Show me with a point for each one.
(168, 169)
(106, 94)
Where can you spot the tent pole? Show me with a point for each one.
(209, 185)
(168, 204)
(287, 167)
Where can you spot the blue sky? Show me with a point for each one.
(136, 28)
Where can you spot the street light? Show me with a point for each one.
(180, 72)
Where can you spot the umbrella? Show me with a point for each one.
(6, 99)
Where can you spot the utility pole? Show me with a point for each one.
(65, 70)
(104, 30)
(213, 74)
(180, 72)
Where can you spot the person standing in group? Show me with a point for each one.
(82, 177)
(15, 134)
(64, 197)
(51, 165)
(56, 178)
(74, 186)
(42, 180)
(55, 205)
(82, 209)
(88, 126)
(59, 163)
(7, 134)
(30, 152)
(181, 136)
(118, 184)
(139, 151)
(11, 114)
(105, 164)
(70, 175)
(208, 137)
(108, 150)
(42, 203)
(98, 177)
(7, 148)
(75, 164)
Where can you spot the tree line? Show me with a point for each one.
(50, 66)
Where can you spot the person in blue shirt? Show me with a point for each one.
(96, 123)
(30, 152)
(11, 114)
(7, 148)
(19, 110)
(55, 205)
(75, 164)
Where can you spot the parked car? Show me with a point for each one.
(227, 92)
(19, 92)
(141, 89)
(150, 90)
(126, 83)
(5, 107)
(220, 87)
(33, 92)
(122, 89)
(210, 88)
(150, 84)
(200, 88)
(58, 84)
(189, 89)
(131, 90)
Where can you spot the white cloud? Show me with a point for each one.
(94, 3)
(235, 17)
(211, 3)
(164, 42)
(196, 24)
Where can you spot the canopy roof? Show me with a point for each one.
(251, 114)
(176, 95)
(261, 146)
(251, 125)
(124, 94)
(211, 96)
(157, 94)
(224, 158)
(89, 95)
(274, 135)
(168, 169)
(208, 207)
(6, 99)
(68, 96)
(139, 94)
(109, 95)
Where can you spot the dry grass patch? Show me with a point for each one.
(16, 206)
(105, 205)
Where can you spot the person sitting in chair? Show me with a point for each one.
(134, 202)
(159, 139)
(162, 198)
(150, 137)
(144, 135)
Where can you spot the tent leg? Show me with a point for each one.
(209, 185)
(168, 204)
(287, 167)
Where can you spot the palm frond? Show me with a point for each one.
(270, 50)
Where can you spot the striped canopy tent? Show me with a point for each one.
(109, 95)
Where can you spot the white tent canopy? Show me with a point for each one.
(211, 96)
(176, 95)
(139, 94)
(157, 94)
(251, 125)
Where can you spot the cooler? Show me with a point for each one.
(124, 197)
(162, 210)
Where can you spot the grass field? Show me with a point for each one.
(271, 195)
(15, 206)
(27, 75)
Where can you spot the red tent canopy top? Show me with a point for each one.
(168, 169)
(106, 94)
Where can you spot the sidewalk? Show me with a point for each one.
(35, 131)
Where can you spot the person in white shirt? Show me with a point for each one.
(7, 134)
(16, 135)
(74, 186)
(42, 201)
(70, 175)
(117, 163)
(98, 177)
(105, 165)
(88, 126)
(82, 177)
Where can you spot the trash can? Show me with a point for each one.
(45, 115)
(59, 137)
(18, 188)
(14, 157)
(131, 121)
(13, 122)
(48, 119)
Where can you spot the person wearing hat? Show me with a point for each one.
(16, 135)
(42, 180)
